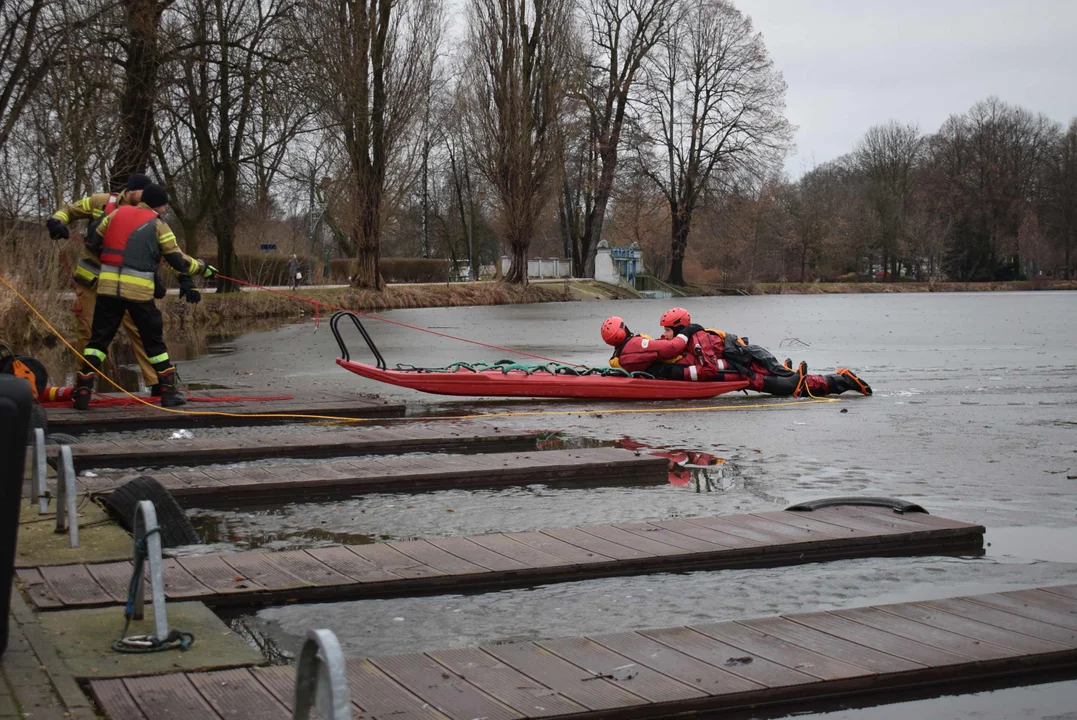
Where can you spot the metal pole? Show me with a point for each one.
(147, 532)
(67, 518)
(38, 489)
(322, 683)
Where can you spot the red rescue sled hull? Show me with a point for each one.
(515, 383)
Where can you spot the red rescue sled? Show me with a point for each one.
(499, 380)
(494, 382)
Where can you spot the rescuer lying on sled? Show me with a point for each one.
(718, 355)
(640, 353)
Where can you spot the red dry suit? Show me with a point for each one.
(639, 353)
(716, 355)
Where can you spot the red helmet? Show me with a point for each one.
(677, 317)
(614, 331)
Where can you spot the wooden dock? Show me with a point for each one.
(258, 485)
(234, 412)
(470, 438)
(496, 561)
(789, 661)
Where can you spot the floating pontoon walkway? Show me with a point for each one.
(485, 562)
(788, 660)
(261, 485)
(374, 441)
(236, 412)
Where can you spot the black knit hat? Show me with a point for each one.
(137, 181)
(155, 196)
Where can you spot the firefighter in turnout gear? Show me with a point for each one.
(131, 242)
(95, 208)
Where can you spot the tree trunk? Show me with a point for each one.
(143, 18)
(518, 269)
(680, 226)
(365, 237)
(189, 227)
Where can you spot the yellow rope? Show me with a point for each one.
(338, 419)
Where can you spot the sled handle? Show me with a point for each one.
(333, 325)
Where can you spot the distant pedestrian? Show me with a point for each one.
(293, 273)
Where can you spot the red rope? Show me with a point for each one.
(316, 303)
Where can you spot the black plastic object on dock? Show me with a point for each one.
(15, 402)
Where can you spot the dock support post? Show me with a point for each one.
(39, 492)
(148, 549)
(321, 683)
(67, 518)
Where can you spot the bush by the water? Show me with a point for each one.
(395, 270)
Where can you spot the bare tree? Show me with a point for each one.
(369, 67)
(518, 59)
(712, 106)
(1060, 191)
(620, 34)
(887, 157)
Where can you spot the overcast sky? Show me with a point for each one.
(852, 64)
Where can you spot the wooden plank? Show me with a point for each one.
(263, 569)
(645, 651)
(871, 659)
(734, 542)
(114, 700)
(169, 697)
(236, 695)
(776, 535)
(631, 540)
(873, 638)
(972, 629)
(1060, 619)
(219, 576)
(714, 652)
(592, 543)
(1064, 607)
(279, 682)
(74, 585)
(299, 564)
(669, 537)
(571, 681)
(1069, 591)
(870, 526)
(261, 485)
(925, 634)
(447, 691)
(474, 553)
(382, 697)
(346, 562)
(394, 561)
(1008, 614)
(511, 548)
(179, 583)
(600, 661)
(435, 557)
(892, 520)
(793, 533)
(932, 521)
(559, 548)
(511, 687)
(757, 643)
(115, 578)
(804, 520)
(41, 595)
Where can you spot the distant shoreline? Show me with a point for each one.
(891, 287)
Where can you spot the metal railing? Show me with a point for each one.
(67, 517)
(321, 683)
(148, 536)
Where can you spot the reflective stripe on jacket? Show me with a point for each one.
(93, 208)
(131, 242)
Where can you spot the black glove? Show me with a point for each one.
(57, 230)
(187, 290)
(690, 330)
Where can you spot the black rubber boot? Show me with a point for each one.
(788, 363)
(846, 380)
(155, 390)
(780, 386)
(84, 389)
(170, 395)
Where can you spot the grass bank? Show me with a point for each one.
(885, 287)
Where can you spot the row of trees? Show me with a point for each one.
(535, 126)
(991, 196)
(354, 112)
